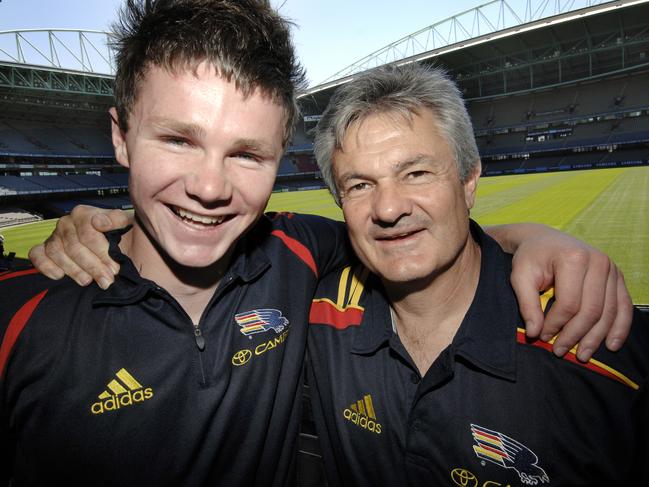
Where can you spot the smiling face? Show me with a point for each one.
(202, 160)
(404, 204)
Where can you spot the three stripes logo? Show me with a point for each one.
(120, 392)
(362, 414)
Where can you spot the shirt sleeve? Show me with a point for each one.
(18, 291)
(325, 239)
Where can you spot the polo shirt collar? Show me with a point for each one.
(129, 287)
(487, 334)
(376, 325)
(250, 258)
(248, 262)
(486, 337)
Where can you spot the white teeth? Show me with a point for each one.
(205, 220)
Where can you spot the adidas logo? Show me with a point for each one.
(120, 393)
(362, 414)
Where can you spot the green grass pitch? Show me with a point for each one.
(608, 208)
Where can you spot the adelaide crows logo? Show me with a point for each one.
(260, 320)
(502, 450)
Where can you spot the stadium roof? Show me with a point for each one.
(72, 50)
(55, 74)
(474, 46)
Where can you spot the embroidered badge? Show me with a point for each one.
(261, 320)
(502, 450)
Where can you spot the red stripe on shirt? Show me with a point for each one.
(11, 275)
(495, 450)
(571, 357)
(324, 313)
(487, 435)
(298, 249)
(16, 326)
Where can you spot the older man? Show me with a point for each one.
(420, 367)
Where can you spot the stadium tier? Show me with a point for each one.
(48, 184)
(33, 138)
(567, 92)
(13, 216)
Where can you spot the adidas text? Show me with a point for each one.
(362, 421)
(117, 401)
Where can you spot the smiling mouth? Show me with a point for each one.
(194, 218)
(397, 236)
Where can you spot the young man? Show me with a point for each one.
(188, 370)
(420, 368)
(194, 355)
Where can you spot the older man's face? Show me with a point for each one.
(405, 207)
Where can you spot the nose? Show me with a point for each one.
(209, 181)
(390, 202)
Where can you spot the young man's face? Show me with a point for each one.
(404, 204)
(202, 161)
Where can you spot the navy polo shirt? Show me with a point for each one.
(120, 387)
(493, 409)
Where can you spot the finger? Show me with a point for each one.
(526, 284)
(593, 294)
(621, 328)
(92, 235)
(596, 335)
(570, 273)
(105, 222)
(55, 251)
(111, 220)
(80, 261)
(44, 264)
(80, 235)
(85, 239)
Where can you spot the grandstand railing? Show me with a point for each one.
(488, 18)
(86, 51)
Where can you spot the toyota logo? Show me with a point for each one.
(241, 357)
(463, 478)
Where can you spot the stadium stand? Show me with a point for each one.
(10, 217)
(120, 179)
(58, 183)
(287, 166)
(560, 96)
(63, 207)
(31, 137)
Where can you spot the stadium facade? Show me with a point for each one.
(565, 92)
(553, 92)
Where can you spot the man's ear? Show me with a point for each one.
(471, 186)
(119, 139)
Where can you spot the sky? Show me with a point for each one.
(329, 34)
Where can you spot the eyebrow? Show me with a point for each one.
(259, 147)
(255, 146)
(397, 167)
(413, 161)
(182, 128)
(195, 130)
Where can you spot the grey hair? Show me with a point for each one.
(402, 90)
